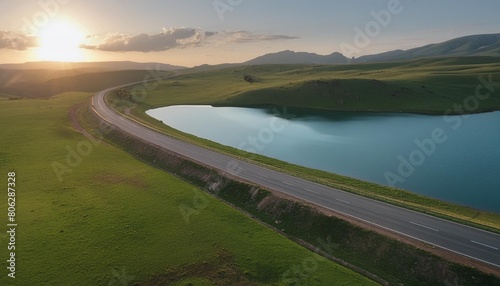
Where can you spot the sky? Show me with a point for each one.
(195, 32)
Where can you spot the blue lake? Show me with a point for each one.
(455, 158)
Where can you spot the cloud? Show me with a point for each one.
(15, 41)
(173, 38)
(166, 40)
(246, 37)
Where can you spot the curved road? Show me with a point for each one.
(470, 242)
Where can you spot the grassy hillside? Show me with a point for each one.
(474, 45)
(431, 87)
(113, 220)
(45, 83)
(426, 86)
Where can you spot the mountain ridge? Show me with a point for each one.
(473, 45)
(287, 56)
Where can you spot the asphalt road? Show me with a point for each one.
(468, 241)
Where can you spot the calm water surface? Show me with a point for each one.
(456, 159)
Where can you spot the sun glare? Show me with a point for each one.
(60, 41)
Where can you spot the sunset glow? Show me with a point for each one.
(60, 41)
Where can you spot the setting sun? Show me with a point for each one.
(60, 41)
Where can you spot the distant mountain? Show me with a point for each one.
(290, 57)
(476, 45)
(206, 67)
(123, 65)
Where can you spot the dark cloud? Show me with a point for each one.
(14, 41)
(166, 40)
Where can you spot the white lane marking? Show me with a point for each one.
(346, 202)
(414, 237)
(424, 226)
(290, 184)
(312, 191)
(485, 245)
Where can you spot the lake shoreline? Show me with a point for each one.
(368, 111)
(361, 132)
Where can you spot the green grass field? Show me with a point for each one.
(114, 220)
(45, 83)
(423, 86)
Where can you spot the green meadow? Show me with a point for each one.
(420, 86)
(113, 220)
(431, 86)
